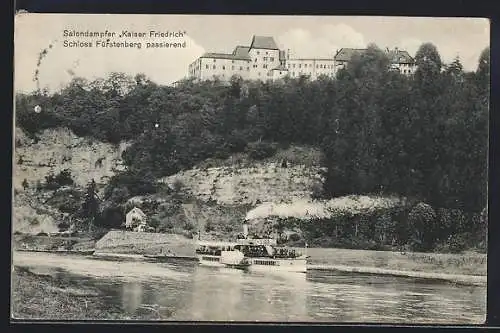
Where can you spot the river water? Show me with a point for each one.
(187, 292)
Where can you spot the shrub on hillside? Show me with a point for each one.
(63, 226)
(317, 191)
(294, 237)
(177, 185)
(154, 222)
(119, 195)
(63, 178)
(67, 201)
(165, 225)
(188, 226)
(209, 226)
(260, 150)
(134, 183)
(111, 217)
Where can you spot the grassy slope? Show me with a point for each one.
(44, 297)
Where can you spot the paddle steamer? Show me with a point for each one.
(252, 254)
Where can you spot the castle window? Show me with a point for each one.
(223, 67)
(248, 68)
(264, 66)
(232, 67)
(207, 66)
(214, 67)
(300, 65)
(241, 68)
(267, 53)
(272, 58)
(232, 61)
(258, 52)
(214, 60)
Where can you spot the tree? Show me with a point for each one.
(422, 222)
(455, 70)
(483, 74)
(111, 217)
(91, 205)
(429, 64)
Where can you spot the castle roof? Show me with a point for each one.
(345, 53)
(395, 56)
(400, 57)
(241, 51)
(263, 42)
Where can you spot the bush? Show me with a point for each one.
(66, 201)
(422, 221)
(63, 226)
(111, 217)
(177, 185)
(209, 227)
(261, 150)
(63, 178)
(119, 195)
(317, 191)
(165, 225)
(154, 222)
(188, 226)
(135, 183)
(454, 244)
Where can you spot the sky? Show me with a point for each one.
(304, 36)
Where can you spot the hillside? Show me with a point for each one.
(222, 194)
(56, 150)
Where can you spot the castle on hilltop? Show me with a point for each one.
(263, 60)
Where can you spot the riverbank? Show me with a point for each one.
(468, 263)
(26, 242)
(471, 265)
(46, 297)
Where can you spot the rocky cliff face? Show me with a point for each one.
(249, 185)
(60, 149)
(56, 150)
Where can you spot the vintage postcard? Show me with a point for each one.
(250, 168)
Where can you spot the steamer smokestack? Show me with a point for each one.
(245, 229)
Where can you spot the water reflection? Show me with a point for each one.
(131, 296)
